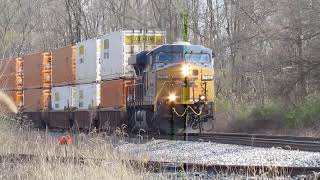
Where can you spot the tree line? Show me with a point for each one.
(265, 49)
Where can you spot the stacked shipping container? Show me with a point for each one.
(7, 77)
(62, 97)
(87, 95)
(7, 74)
(119, 46)
(37, 81)
(116, 74)
(63, 78)
(105, 61)
(11, 76)
(93, 73)
(87, 90)
(63, 66)
(114, 93)
(87, 61)
(19, 82)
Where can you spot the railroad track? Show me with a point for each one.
(162, 167)
(311, 144)
(256, 140)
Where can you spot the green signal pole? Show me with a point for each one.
(185, 26)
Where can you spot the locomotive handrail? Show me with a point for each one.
(185, 111)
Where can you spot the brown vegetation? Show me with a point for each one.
(15, 140)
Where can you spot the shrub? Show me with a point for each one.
(223, 104)
(261, 116)
(304, 114)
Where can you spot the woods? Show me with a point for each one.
(265, 50)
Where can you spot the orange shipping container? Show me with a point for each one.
(63, 66)
(36, 99)
(33, 68)
(19, 98)
(7, 74)
(114, 93)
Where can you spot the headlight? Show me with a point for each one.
(207, 77)
(185, 71)
(202, 98)
(172, 97)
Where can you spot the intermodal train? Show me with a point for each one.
(130, 77)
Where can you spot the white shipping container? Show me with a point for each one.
(117, 47)
(87, 95)
(62, 97)
(88, 61)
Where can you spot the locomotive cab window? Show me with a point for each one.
(197, 57)
(169, 57)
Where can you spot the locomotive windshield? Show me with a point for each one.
(175, 57)
(180, 53)
(169, 57)
(197, 57)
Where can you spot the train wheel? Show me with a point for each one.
(138, 120)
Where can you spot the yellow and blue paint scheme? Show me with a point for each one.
(197, 86)
(185, 80)
(175, 88)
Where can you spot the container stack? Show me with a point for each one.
(7, 77)
(119, 46)
(116, 74)
(114, 93)
(87, 61)
(87, 90)
(19, 81)
(37, 81)
(93, 73)
(63, 78)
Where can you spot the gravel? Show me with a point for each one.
(219, 154)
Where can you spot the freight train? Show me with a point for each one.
(127, 77)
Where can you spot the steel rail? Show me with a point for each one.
(160, 167)
(256, 140)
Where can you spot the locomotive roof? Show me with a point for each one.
(182, 48)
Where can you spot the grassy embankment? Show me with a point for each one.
(275, 118)
(15, 140)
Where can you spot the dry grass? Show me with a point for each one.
(14, 140)
(96, 146)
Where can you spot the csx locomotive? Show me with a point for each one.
(174, 90)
